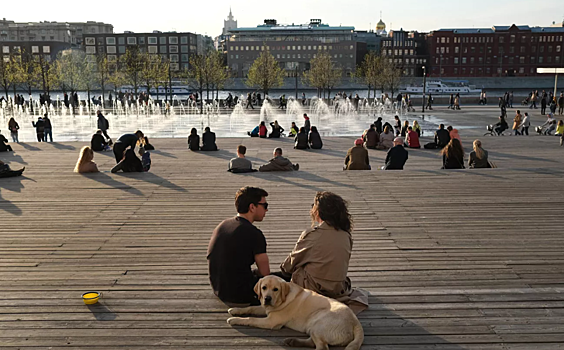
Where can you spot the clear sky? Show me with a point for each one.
(206, 17)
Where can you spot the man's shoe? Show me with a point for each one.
(296, 166)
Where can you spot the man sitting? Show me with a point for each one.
(279, 163)
(301, 141)
(99, 143)
(240, 164)
(397, 156)
(208, 140)
(412, 138)
(4, 147)
(442, 137)
(371, 137)
(6, 171)
(236, 244)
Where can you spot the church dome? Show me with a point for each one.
(381, 25)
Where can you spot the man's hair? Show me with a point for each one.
(409, 128)
(372, 126)
(242, 149)
(332, 209)
(441, 126)
(246, 196)
(278, 151)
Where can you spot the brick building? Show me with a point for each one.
(408, 50)
(497, 51)
(293, 46)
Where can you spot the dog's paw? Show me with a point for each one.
(233, 321)
(235, 311)
(290, 342)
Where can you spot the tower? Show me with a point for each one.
(381, 26)
(229, 24)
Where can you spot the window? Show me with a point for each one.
(558, 48)
(184, 48)
(6, 49)
(152, 49)
(89, 49)
(443, 40)
(511, 49)
(541, 49)
(557, 59)
(46, 49)
(549, 59)
(131, 41)
(121, 49)
(173, 58)
(141, 40)
(521, 70)
(173, 49)
(121, 41)
(110, 41)
(501, 40)
(163, 49)
(550, 49)
(111, 49)
(174, 66)
(162, 40)
(173, 40)
(512, 39)
(463, 60)
(90, 41)
(112, 58)
(456, 60)
(522, 49)
(456, 49)
(184, 40)
(471, 60)
(540, 59)
(455, 71)
(152, 40)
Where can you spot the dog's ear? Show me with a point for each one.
(284, 291)
(258, 288)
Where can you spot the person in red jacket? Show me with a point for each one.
(412, 138)
(262, 130)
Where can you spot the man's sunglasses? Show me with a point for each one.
(265, 205)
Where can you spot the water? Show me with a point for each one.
(162, 121)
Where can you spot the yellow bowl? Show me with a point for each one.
(90, 298)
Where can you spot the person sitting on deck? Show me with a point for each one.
(85, 163)
(293, 130)
(194, 140)
(453, 155)
(478, 157)
(127, 140)
(371, 137)
(98, 142)
(235, 245)
(254, 132)
(4, 147)
(129, 164)
(386, 138)
(208, 140)
(442, 137)
(301, 139)
(357, 157)
(5, 170)
(277, 130)
(412, 138)
(396, 156)
(279, 163)
(315, 139)
(240, 164)
(145, 158)
(320, 258)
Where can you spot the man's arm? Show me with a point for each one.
(262, 263)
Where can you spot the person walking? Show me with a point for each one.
(543, 104)
(430, 102)
(517, 121)
(249, 101)
(561, 103)
(13, 126)
(525, 125)
(104, 125)
(533, 100)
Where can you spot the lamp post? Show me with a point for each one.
(424, 85)
(554, 71)
(296, 75)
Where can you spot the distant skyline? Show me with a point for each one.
(196, 17)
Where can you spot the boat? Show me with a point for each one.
(176, 90)
(440, 88)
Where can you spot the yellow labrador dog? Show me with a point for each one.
(325, 320)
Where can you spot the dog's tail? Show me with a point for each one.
(358, 337)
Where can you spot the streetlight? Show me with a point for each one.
(424, 85)
(554, 71)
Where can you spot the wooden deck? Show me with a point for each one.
(453, 259)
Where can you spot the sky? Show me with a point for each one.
(206, 17)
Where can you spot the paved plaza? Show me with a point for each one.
(459, 259)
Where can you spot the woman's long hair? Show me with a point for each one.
(453, 149)
(480, 154)
(12, 123)
(130, 162)
(387, 130)
(333, 210)
(86, 155)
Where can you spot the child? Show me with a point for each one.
(145, 159)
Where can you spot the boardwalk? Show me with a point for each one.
(453, 259)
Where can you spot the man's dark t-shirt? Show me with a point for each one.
(231, 252)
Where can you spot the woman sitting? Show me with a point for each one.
(5, 170)
(315, 139)
(262, 130)
(453, 155)
(559, 128)
(478, 157)
(129, 164)
(357, 157)
(386, 139)
(301, 141)
(85, 163)
(320, 259)
(194, 140)
(276, 130)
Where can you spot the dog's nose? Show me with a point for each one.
(267, 299)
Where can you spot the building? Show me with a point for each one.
(228, 25)
(370, 38)
(48, 50)
(408, 50)
(177, 47)
(66, 32)
(497, 51)
(381, 27)
(293, 46)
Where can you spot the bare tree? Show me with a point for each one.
(323, 74)
(265, 73)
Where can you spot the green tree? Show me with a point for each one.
(196, 75)
(265, 73)
(47, 74)
(70, 67)
(131, 66)
(219, 72)
(390, 75)
(369, 72)
(102, 76)
(116, 77)
(323, 74)
(10, 74)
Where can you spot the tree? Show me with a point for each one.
(132, 65)
(370, 71)
(9, 74)
(218, 69)
(196, 75)
(88, 78)
(29, 73)
(102, 76)
(47, 74)
(70, 67)
(115, 76)
(323, 74)
(265, 73)
(390, 75)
